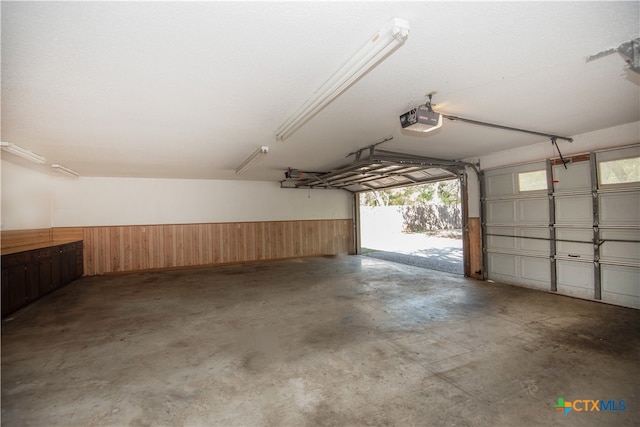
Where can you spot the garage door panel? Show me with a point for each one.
(533, 211)
(619, 208)
(622, 153)
(617, 251)
(622, 300)
(575, 279)
(536, 269)
(620, 252)
(502, 265)
(536, 240)
(574, 249)
(501, 185)
(575, 274)
(520, 270)
(577, 177)
(501, 212)
(621, 285)
(574, 210)
(496, 238)
(539, 241)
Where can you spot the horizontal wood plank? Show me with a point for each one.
(67, 233)
(17, 238)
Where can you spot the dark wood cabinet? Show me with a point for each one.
(17, 278)
(32, 272)
(56, 262)
(44, 264)
(5, 290)
(29, 275)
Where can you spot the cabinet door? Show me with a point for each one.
(32, 288)
(43, 258)
(79, 261)
(17, 279)
(56, 273)
(5, 292)
(67, 265)
(45, 276)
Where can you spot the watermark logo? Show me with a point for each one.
(589, 405)
(563, 406)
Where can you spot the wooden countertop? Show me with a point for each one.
(24, 248)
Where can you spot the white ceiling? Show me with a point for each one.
(189, 90)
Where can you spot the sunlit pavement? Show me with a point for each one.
(418, 249)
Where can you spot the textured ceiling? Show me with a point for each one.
(189, 90)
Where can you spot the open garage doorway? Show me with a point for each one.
(419, 225)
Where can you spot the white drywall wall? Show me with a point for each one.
(26, 196)
(128, 201)
(32, 197)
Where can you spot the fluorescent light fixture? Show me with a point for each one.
(252, 159)
(64, 170)
(380, 45)
(22, 152)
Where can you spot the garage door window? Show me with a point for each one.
(532, 181)
(621, 171)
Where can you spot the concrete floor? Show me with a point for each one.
(322, 341)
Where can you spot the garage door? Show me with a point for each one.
(572, 228)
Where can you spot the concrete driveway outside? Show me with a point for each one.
(419, 249)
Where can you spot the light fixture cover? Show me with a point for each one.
(22, 152)
(392, 35)
(252, 159)
(64, 170)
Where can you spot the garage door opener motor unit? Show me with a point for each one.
(421, 119)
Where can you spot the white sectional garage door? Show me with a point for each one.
(574, 230)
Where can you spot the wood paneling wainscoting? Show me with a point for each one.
(115, 249)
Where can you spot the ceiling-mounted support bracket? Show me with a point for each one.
(631, 50)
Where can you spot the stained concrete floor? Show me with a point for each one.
(320, 341)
